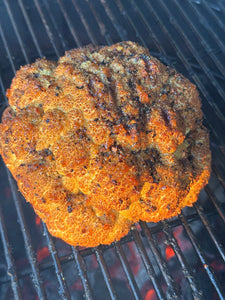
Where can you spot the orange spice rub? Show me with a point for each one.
(103, 138)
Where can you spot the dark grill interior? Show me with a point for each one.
(181, 258)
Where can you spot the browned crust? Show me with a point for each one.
(103, 138)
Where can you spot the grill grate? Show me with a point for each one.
(189, 36)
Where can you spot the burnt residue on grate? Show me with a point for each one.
(181, 258)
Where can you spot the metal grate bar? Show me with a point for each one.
(64, 292)
(194, 51)
(185, 266)
(204, 42)
(148, 266)
(2, 88)
(9, 56)
(105, 273)
(11, 271)
(30, 27)
(45, 23)
(222, 7)
(210, 11)
(173, 288)
(188, 67)
(82, 271)
(54, 22)
(127, 270)
(101, 24)
(204, 20)
(69, 23)
(113, 19)
(15, 29)
(203, 259)
(83, 20)
(152, 34)
(130, 22)
(207, 226)
(212, 198)
(27, 240)
(218, 176)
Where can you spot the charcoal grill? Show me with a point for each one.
(180, 258)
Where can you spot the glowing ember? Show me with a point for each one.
(37, 221)
(169, 253)
(42, 253)
(151, 295)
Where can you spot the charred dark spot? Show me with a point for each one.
(120, 201)
(71, 170)
(43, 200)
(69, 209)
(190, 158)
(114, 181)
(56, 94)
(80, 87)
(153, 208)
(38, 86)
(36, 75)
(45, 152)
(103, 63)
(47, 120)
(166, 117)
(98, 185)
(130, 84)
(69, 197)
(105, 154)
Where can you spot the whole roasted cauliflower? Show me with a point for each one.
(103, 138)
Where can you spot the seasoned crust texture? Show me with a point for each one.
(103, 138)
